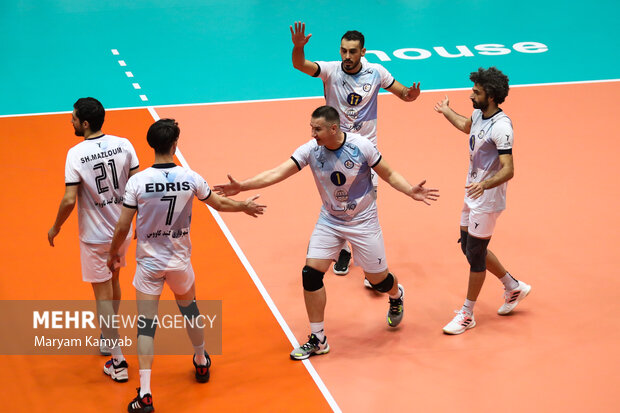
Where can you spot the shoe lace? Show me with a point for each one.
(396, 305)
(313, 342)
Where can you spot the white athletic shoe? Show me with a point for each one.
(117, 372)
(367, 283)
(513, 297)
(461, 322)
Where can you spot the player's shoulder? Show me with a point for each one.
(503, 121)
(369, 65)
(358, 140)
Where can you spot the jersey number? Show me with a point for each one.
(101, 188)
(172, 200)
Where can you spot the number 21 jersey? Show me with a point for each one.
(100, 166)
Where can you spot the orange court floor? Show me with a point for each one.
(557, 352)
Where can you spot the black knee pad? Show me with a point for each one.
(190, 311)
(385, 285)
(312, 279)
(147, 327)
(463, 241)
(476, 253)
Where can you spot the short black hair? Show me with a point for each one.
(328, 113)
(91, 111)
(493, 81)
(354, 35)
(162, 135)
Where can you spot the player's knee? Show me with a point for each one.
(476, 253)
(463, 241)
(385, 285)
(147, 327)
(191, 311)
(312, 279)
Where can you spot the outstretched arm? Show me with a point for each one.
(398, 182)
(262, 180)
(223, 204)
(300, 39)
(407, 94)
(64, 210)
(459, 121)
(120, 235)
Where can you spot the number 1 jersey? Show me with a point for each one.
(163, 195)
(100, 166)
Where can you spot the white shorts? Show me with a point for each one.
(152, 282)
(366, 239)
(479, 224)
(94, 258)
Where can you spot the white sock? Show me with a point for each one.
(145, 381)
(199, 355)
(399, 294)
(468, 307)
(318, 330)
(509, 282)
(117, 354)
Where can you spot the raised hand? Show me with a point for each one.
(229, 189)
(252, 208)
(443, 105)
(419, 193)
(413, 92)
(298, 35)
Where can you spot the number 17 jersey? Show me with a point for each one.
(163, 196)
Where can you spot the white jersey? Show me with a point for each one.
(100, 166)
(342, 177)
(354, 96)
(487, 140)
(163, 195)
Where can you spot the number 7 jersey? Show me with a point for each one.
(100, 166)
(163, 196)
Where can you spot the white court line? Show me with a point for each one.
(261, 288)
(299, 98)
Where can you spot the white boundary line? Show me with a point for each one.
(261, 288)
(236, 102)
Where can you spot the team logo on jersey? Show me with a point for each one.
(349, 164)
(472, 142)
(351, 206)
(351, 113)
(338, 178)
(341, 195)
(354, 99)
(366, 87)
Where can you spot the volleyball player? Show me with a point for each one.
(162, 197)
(96, 172)
(341, 163)
(351, 86)
(490, 168)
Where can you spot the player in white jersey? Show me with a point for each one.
(162, 197)
(351, 86)
(340, 163)
(96, 172)
(490, 168)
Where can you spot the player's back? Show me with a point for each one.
(100, 166)
(163, 195)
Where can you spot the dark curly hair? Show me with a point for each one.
(493, 81)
